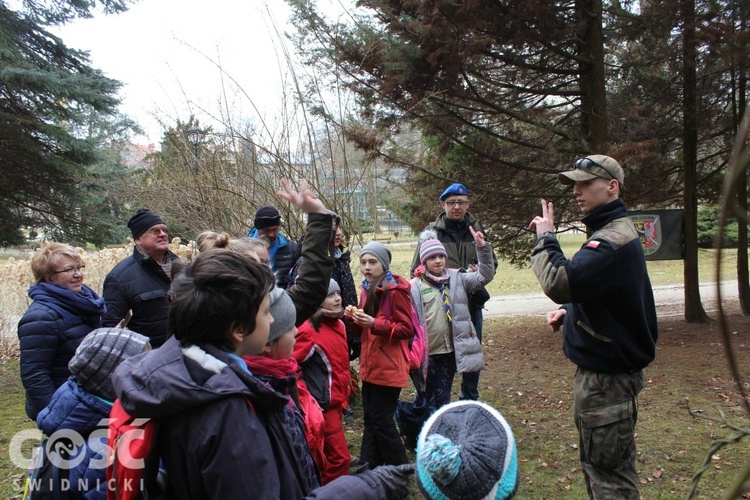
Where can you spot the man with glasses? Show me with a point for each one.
(140, 282)
(608, 317)
(452, 229)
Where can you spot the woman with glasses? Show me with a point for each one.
(64, 311)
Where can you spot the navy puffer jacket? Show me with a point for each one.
(49, 333)
(73, 408)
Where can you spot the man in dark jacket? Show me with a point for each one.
(608, 318)
(140, 283)
(452, 229)
(283, 251)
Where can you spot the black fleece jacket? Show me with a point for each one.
(610, 321)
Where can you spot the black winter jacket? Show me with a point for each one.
(610, 321)
(139, 283)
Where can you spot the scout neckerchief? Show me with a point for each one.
(441, 283)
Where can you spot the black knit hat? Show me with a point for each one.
(142, 220)
(267, 216)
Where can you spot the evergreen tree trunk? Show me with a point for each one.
(594, 119)
(694, 312)
(743, 278)
(743, 274)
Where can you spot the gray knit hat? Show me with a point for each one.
(333, 287)
(99, 353)
(284, 313)
(379, 251)
(466, 450)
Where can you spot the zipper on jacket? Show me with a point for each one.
(387, 357)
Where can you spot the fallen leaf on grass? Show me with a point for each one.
(657, 473)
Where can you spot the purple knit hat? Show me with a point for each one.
(430, 248)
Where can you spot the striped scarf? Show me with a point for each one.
(441, 283)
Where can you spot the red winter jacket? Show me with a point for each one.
(331, 343)
(383, 359)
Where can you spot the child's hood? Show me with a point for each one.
(173, 379)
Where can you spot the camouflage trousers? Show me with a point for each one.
(606, 410)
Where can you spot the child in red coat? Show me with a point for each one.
(322, 352)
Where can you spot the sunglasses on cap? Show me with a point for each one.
(587, 163)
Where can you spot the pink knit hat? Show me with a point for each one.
(430, 248)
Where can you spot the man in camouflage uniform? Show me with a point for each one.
(608, 317)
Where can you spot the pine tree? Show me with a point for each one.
(48, 92)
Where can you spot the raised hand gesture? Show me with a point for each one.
(478, 237)
(546, 222)
(305, 199)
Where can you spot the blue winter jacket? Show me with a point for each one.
(49, 333)
(610, 321)
(74, 409)
(284, 254)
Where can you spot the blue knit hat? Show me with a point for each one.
(466, 451)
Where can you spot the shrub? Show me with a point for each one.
(708, 229)
(365, 225)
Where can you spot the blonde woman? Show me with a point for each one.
(64, 311)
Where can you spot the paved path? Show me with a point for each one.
(670, 301)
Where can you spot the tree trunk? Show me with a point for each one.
(743, 278)
(594, 119)
(694, 312)
(743, 274)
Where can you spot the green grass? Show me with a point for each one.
(13, 420)
(510, 280)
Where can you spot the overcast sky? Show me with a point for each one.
(162, 50)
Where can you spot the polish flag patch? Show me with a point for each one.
(593, 244)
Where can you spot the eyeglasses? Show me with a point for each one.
(70, 271)
(266, 262)
(587, 163)
(156, 231)
(459, 203)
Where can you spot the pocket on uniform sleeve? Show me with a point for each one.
(607, 434)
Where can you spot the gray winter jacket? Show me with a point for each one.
(468, 348)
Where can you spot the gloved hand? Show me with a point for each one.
(393, 480)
